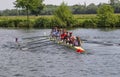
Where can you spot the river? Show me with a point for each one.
(51, 60)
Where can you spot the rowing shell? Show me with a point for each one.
(79, 49)
(76, 48)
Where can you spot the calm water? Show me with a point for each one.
(46, 59)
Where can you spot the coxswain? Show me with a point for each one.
(77, 41)
(77, 44)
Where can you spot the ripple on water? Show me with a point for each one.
(100, 60)
(19, 75)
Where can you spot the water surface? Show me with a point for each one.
(52, 60)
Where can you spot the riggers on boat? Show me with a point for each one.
(78, 49)
(62, 36)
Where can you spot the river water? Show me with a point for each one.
(47, 59)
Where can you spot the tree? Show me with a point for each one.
(116, 5)
(28, 5)
(112, 2)
(64, 15)
(106, 17)
(91, 9)
(38, 10)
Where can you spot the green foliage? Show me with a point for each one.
(91, 23)
(64, 15)
(106, 17)
(28, 4)
(118, 23)
(58, 22)
(49, 9)
(15, 23)
(42, 22)
(78, 9)
(48, 21)
(91, 9)
(116, 5)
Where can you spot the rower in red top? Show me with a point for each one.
(63, 34)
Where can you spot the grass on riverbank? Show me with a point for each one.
(46, 21)
(78, 16)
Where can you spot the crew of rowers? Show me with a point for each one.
(61, 35)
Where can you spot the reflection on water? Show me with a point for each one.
(52, 60)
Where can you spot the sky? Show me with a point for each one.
(8, 4)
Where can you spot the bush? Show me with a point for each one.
(42, 23)
(16, 23)
(106, 16)
(91, 23)
(118, 23)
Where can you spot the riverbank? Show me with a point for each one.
(47, 21)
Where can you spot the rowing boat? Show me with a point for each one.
(76, 48)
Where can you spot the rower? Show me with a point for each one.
(77, 41)
(63, 35)
(57, 35)
(71, 39)
(66, 38)
(53, 32)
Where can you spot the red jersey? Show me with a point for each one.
(63, 35)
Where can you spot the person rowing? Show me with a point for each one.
(57, 35)
(71, 38)
(53, 32)
(63, 35)
(77, 45)
(67, 39)
(77, 41)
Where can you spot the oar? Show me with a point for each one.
(34, 37)
(41, 45)
(25, 48)
(32, 43)
(37, 40)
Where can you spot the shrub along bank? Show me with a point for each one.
(49, 22)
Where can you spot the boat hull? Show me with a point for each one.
(76, 48)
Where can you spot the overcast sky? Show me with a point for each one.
(8, 4)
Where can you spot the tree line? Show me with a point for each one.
(63, 16)
(49, 9)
